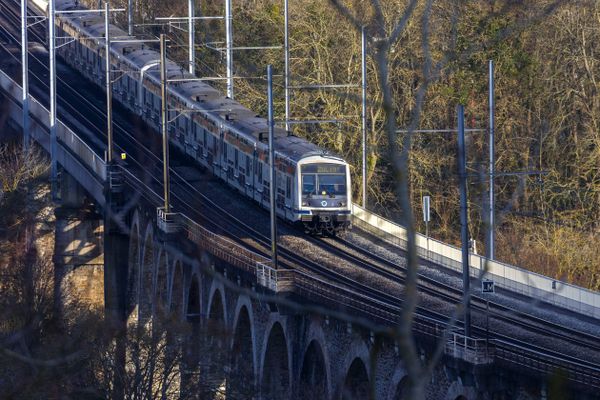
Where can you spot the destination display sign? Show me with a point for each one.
(323, 169)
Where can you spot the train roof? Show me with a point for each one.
(198, 94)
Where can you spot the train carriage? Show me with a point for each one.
(231, 141)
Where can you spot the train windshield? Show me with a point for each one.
(308, 184)
(332, 184)
(323, 179)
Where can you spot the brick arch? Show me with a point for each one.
(241, 381)
(133, 270)
(146, 293)
(276, 366)
(357, 375)
(161, 293)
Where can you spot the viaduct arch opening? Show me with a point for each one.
(240, 383)
(356, 384)
(313, 375)
(276, 374)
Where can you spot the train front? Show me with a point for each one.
(324, 195)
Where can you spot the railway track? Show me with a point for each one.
(145, 159)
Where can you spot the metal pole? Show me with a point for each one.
(130, 17)
(286, 72)
(228, 48)
(52, 67)
(109, 130)
(491, 244)
(192, 36)
(464, 229)
(25, 72)
(164, 120)
(272, 175)
(364, 116)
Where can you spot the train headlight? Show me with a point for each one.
(305, 204)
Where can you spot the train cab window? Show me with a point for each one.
(332, 184)
(308, 184)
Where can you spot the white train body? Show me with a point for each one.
(219, 133)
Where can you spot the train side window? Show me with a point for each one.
(204, 142)
(260, 172)
(235, 158)
(248, 165)
(288, 187)
(225, 149)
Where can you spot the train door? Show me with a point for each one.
(253, 172)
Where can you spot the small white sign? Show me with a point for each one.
(426, 213)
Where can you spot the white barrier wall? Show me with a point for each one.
(536, 286)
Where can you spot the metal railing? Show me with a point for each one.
(515, 279)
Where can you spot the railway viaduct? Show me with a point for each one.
(249, 331)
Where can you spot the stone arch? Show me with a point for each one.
(133, 270)
(275, 373)
(457, 391)
(176, 293)
(146, 295)
(214, 344)
(400, 389)
(161, 294)
(314, 377)
(356, 383)
(241, 380)
(217, 289)
(217, 316)
(191, 349)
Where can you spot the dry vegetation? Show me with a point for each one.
(547, 109)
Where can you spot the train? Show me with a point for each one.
(226, 138)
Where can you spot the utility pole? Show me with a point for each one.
(165, 122)
(491, 222)
(228, 48)
(109, 130)
(272, 173)
(364, 115)
(130, 17)
(52, 68)
(286, 54)
(192, 35)
(25, 78)
(464, 228)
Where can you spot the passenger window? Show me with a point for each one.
(235, 157)
(288, 187)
